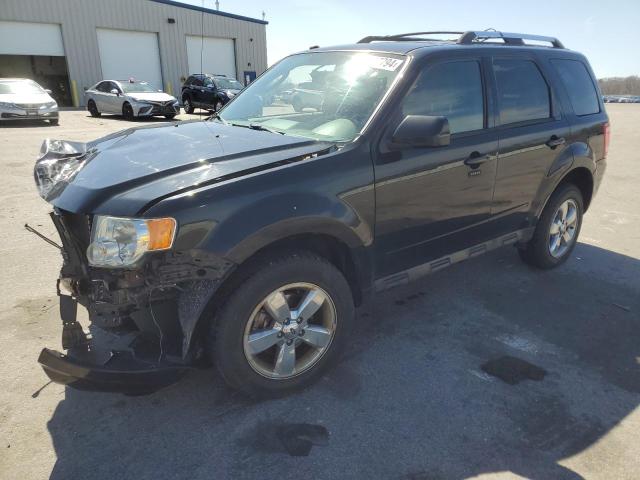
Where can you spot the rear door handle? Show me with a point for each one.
(555, 141)
(476, 159)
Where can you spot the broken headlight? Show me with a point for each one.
(57, 165)
(121, 242)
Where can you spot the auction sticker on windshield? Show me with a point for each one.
(384, 63)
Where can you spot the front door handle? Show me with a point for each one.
(555, 141)
(476, 159)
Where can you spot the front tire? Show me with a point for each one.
(188, 105)
(557, 230)
(283, 326)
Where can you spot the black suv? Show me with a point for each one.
(248, 239)
(207, 91)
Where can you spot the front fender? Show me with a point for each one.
(255, 226)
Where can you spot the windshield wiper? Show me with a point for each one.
(262, 128)
(216, 116)
(257, 126)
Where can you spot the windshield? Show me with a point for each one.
(319, 95)
(138, 87)
(25, 86)
(228, 83)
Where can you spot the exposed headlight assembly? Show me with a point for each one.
(121, 242)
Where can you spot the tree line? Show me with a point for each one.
(620, 85)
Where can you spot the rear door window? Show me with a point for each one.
(523, 93)
(452, 90)
(579, 86)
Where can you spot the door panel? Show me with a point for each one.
(428, 201)
(112, 102)
(530, 117)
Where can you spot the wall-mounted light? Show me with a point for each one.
(171, 20)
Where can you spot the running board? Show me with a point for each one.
(419, 271)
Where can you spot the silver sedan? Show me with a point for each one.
(24, 99)
(130, 99)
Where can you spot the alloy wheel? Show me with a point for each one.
(562, 232)
(289, 331)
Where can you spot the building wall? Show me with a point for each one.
(80, 18)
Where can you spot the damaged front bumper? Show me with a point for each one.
(120, 374)
(145, 322)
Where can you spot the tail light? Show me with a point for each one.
(607, 138)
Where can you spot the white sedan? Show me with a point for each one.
(24, 99)
(130, 99)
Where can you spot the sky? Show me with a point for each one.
(607, 32)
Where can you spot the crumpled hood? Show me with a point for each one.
(152, 96)
(124, 173)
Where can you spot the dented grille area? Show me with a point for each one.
(156, 299)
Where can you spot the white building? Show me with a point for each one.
(69, 45)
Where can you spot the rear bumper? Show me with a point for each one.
(598, 175)
(124, 375)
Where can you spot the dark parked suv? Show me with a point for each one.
(248, 239)
(207, 91)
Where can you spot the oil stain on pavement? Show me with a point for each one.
(295, 439)
(513, 370)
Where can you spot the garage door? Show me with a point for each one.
(127, 54)
(218, 55)
(23, 38)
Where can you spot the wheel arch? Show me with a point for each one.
(582, 177)
(329, 247)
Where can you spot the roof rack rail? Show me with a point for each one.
(405, 37)
(466, 38)
(509, 38)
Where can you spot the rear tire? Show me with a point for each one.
(127, 111)
(556, 233)
(293, 277)
(54, 122)
(188, 105)
(170, 117)
(93, 109)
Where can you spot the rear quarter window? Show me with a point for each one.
(579, 86)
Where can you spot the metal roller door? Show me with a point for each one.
(218, 55)
(128, 54)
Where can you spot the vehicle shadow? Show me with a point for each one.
(25, 123)
(410, 400)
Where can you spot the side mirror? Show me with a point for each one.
(48, 91)
(422, 131)
(115, 91)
